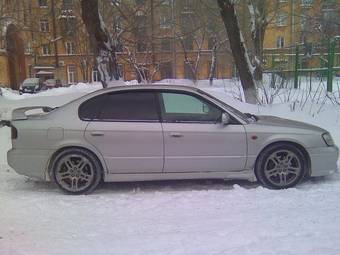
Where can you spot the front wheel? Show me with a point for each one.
(76, 171)
(280, 166)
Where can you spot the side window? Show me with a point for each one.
(89, 110)
(179, 107)
(129, 106)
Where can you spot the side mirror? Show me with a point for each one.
(225, 118)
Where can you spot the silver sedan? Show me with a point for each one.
(157, 132)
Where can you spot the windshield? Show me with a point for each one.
(31, 82)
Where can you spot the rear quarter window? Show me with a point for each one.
(90, 109)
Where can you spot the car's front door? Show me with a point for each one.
(194, 138)
(127, 132)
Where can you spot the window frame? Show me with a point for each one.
(159, 107)
(46, 50)
(70, 48)
(43, 4)
(44, 25)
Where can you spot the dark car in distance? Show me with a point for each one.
(31, 85)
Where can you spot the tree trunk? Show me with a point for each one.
(101, 42)
(241, 58)
(258, 52)
(213, 64)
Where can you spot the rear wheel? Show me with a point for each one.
(76, 171)
(280, 166)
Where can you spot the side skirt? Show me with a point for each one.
(240, 175)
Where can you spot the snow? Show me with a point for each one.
(170, 217)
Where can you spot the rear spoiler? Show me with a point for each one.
(20, 113)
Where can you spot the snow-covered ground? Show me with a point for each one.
(171, 217)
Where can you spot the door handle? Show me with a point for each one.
(177, 135)
(97, 134)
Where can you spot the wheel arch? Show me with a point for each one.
(61, 149)
(297, 145)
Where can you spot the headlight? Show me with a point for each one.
(328, 139)
(36, 86)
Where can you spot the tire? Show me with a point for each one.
(280, 166)
(76, 171)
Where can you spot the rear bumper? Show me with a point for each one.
(28, 162)
(323, 160)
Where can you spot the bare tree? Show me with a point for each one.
(238, 48)
(101, 42)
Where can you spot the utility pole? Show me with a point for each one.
(173, 22)
(54, 32)
(152, 32)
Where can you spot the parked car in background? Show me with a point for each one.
(52, 83)
(31, 85)
(137, 133)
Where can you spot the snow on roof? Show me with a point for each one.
(44, 72)
(44, 67)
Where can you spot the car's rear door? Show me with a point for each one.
(194, 138)
(128, 133)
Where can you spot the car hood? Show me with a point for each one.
(280, 122)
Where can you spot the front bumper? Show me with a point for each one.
(28, 162)
(323, 160)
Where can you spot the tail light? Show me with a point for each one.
(14, 133)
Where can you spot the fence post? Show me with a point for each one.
(296, 67)
(331, 51)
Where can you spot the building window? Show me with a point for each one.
(29, 49)
(166, 2)
(68, 25)
(188, 5)
(141, 31)
(165, 44)
(141, 45)
(214, 71)
(166, 70)
(164, 22)
(188, 43)
(211, 43)
(280, 42)
(140, 2)
(303, 22)
(72, 74)
(46, 50)
(44, 25)
(67, 4)
(307, 3)
(70, 48)
(121, 70)
(188, 71)
(116, 2)
(95, 76)
(118, 24)
(328, 4)
(42, 3)
(281, 19)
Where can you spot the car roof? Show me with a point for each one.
(31, 80)
(155, 86)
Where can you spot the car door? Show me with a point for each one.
(194, 138)
(127, 132)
